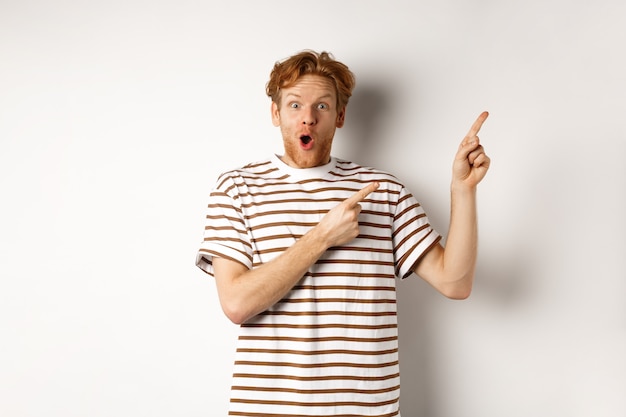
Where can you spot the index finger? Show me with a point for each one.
(477, 124)
(361, 194)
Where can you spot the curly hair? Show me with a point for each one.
(285, 74)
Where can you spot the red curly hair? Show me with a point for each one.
(285, 74)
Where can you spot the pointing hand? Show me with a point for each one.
(341, 224)
(471, 162)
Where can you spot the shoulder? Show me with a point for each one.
(261, 167)
(348, 169)
(259, 170)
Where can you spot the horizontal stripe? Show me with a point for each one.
(316, 404)
(221, 240)
(338, 300)
(320, 352)
(321, 326)
(349, 274)
(317, 365)
(317, 391)
(345, 287)
(222, 217)
(250, 414)
(330, 313)
(321, 339)
(221, 255)
(355, 262)
(278, 377)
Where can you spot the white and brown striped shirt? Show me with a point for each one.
(330, 347)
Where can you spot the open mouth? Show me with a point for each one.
(305, 139)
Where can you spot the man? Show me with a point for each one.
(305, 250)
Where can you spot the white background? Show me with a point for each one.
(116, 118)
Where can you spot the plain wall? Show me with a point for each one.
(116, 118)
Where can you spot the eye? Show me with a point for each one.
(294, 105)
(323, 106)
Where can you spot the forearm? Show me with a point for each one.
(244, 294)
(260, 288)
(460, 253)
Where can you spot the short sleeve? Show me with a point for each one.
(225, 234)
(413, 234)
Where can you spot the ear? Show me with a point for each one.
(341, 117)
(275, 114)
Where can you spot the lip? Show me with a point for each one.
(306, 141)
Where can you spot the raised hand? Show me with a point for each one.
(341, 224)
(471, 162)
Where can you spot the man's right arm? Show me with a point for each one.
(244, 292)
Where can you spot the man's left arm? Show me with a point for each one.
(450, 269)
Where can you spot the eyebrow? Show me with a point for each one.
(325, 96)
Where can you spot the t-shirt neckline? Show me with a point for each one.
(300, 174)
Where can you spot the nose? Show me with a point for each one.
(308, 117)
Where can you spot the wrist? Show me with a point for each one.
(459, 187)
(317, 240)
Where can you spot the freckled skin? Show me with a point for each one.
(308, 108)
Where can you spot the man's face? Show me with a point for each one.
(308, 117)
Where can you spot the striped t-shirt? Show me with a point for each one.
(330, 346)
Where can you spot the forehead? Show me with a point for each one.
(311, 86)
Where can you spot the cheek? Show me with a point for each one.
(285, 130)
